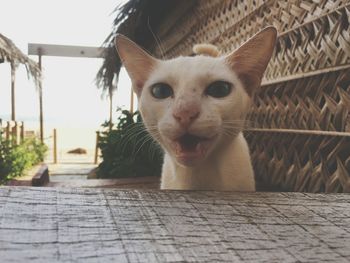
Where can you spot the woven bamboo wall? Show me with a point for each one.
(300, 125)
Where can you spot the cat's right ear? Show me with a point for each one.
(138, 63)
(250, 60)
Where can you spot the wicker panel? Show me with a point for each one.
(300, 161)
(300, 123)
(284, 15)
(320, 44)
(184, 27)
(319, 102)
(206, 28)
(232, 22)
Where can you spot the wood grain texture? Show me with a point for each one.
(106, 225)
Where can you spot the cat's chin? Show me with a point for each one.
(189, 161)
(190, 150)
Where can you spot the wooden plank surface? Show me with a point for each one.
(65, 50)
(113, 225)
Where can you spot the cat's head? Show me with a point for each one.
(195, 105)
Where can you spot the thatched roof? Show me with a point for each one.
(10, 53)
(139, 20)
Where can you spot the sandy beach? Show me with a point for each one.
(68, 138)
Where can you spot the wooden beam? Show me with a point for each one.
(54, 146)
(65, 51)
(41, 114)
(132, 102)
(96, 147)
(13, 100)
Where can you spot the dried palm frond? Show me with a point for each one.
(138, 20)
(12, 54)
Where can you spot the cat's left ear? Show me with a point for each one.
(138, 63)
(250, 60)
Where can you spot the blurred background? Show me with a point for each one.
(72, 102)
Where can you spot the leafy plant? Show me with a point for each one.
(5, 164)
(15, 159)
(128, 150)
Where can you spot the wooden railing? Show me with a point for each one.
(96, 147)
(12, 130)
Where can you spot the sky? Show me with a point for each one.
(71, 99)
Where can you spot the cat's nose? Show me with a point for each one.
(186, 116)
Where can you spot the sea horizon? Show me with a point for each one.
(70, 135)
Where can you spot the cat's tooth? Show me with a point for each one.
(177, 148)
(198, 147)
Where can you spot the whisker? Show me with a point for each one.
(146, 139)
(156, 39)
(131, 135)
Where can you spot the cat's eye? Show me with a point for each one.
(161, 90)
(219, 89)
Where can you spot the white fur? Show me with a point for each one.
(227, 165)
(224, 164)
(229, 170)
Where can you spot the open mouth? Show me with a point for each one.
(189, 147)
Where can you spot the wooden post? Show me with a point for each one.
(111, 90)
(110, 109)
(13, 76)
(41, 103)
(8, 131)
(22, 132)
(54, 146)
(96, 148)
(132, 102)
(15, 133)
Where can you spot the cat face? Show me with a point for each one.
(195, 105)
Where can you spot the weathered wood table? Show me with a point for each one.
(110, 225)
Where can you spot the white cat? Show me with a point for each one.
(195, 108)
